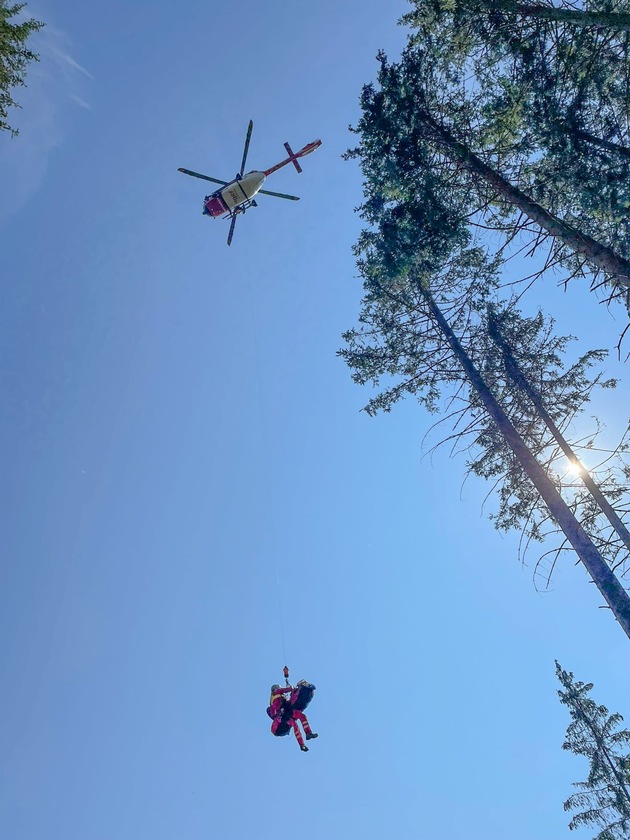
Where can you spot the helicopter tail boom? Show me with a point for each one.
(293, 156)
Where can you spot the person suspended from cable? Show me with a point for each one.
(286, 712)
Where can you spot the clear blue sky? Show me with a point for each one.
(177, 432)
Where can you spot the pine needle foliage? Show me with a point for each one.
(423, 333)
(603, 800)
(443, 205)
(15, 56)
(519, 128)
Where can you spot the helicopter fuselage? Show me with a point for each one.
(230, 198)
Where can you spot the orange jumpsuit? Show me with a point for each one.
(283, 714)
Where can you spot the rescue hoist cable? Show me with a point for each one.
(270, 505)
(280, 611)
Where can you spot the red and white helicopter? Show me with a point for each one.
(237, 196)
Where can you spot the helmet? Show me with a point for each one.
(274, 687)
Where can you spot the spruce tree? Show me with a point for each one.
(544, 409)
(434, 136)
(420, 334)
(442, 165)
(603, 800)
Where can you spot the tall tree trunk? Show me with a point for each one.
(520, 380)
(610, 588)
(609, 20)
(599, 255)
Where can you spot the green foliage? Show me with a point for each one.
(14, 56)
(419, 237)
(397, 344)
(398, 349)
(603, 800)
(543, 102)
(564, 390)
(425, 256)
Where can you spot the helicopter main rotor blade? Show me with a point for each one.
(231, 233)
(199, 175)
(280, 195)
(246, 149)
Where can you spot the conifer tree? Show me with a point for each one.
(15, 56)
(514, 370)
(603, 800)
(407, 342)
(441, 162)
(435, 137)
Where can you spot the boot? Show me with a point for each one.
(310, 735)
(304, 748)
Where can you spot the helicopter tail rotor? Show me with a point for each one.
(292, 157)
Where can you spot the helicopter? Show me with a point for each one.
(236, 196)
